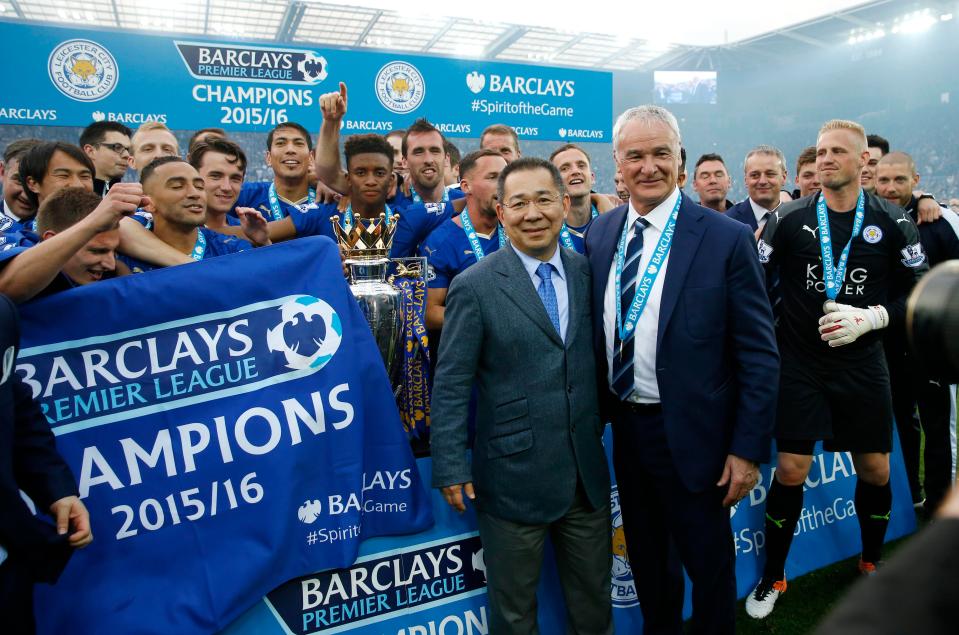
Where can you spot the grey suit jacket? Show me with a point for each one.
(538, 428)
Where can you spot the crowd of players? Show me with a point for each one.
(69, 219)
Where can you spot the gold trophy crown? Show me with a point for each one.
(366, 238)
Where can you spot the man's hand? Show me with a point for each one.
(325, 194)
(741, 475)
(454, 495)
(928, 211)
(333, 105)
(844, 324)
(603, 202)
(254, 226)
(70, 512)
(122, 200)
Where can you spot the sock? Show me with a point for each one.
(783, 507)
(873, 506)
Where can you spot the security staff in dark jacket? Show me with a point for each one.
(31, 550)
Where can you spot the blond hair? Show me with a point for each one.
(147, 127)
(844, 124)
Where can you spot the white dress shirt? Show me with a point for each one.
(647, 327)
(760, 212)
(559, 284)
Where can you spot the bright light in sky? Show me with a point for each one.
(692, 22)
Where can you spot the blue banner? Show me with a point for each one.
(434, 583)
(71, 77)
(226, 437)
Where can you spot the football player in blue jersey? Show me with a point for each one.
(108, 145)
(574, 165)
(177, 200)
(18, 209)
(222, 166)
(49, 167)
(75, 243)
(288, 153)
(152, 140)
(467, 238)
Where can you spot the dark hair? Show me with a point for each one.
(97, 131)
(570, 146)
(17, 148)
(64, 208)
(367, 144)
(808, 155)
(453, 152)
(218, 145)
(498, 128)
(875, 141)
(219, 132)
(709, 156)
(152, 166)
(36, 160)
(527, 164)
(421, 126)
(469, 162)
(291, 125)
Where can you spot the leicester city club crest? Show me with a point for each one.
(400, 87)
(623, 587)
(83, 70)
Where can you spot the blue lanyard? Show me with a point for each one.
(276, 211)
(347, 221)
(564, 236)
(199, 249)
(474, 241)
(645, 285)
(418, 199)
(834, 276)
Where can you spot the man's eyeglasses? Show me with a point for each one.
(119, 148)
(541, 203)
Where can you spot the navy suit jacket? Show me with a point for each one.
(28, 461)
(743, 212)
(717, 363)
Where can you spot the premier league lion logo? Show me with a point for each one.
(306, 319)
(83, 70)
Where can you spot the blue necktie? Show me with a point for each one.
(623, 381)
(548, 294)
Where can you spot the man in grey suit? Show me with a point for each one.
(518, 323)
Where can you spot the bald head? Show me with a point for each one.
(899, 158)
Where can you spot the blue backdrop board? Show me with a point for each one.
(71, 77)
(433, 583)
(226, 438)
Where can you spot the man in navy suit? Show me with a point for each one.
(687, 368)
(31, 550)
(764, 173)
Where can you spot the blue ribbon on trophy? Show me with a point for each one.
(414, 392)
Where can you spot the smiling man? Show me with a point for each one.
(765, 175)
(288, 153)
(152, 140)
(18, 210)
(518, 324)
(711, 182)
(178, 205)
(222, 165)
(575, 167)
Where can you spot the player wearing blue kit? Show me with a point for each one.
(467, 238)
(574, 166)
(75, 242)
(17, 210)
(222, 166)
(288, 153)
(178, 204)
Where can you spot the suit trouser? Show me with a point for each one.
(16, 599)
(582, 542)
(658, 511)
(910, 388)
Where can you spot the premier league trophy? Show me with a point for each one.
(392, 296)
